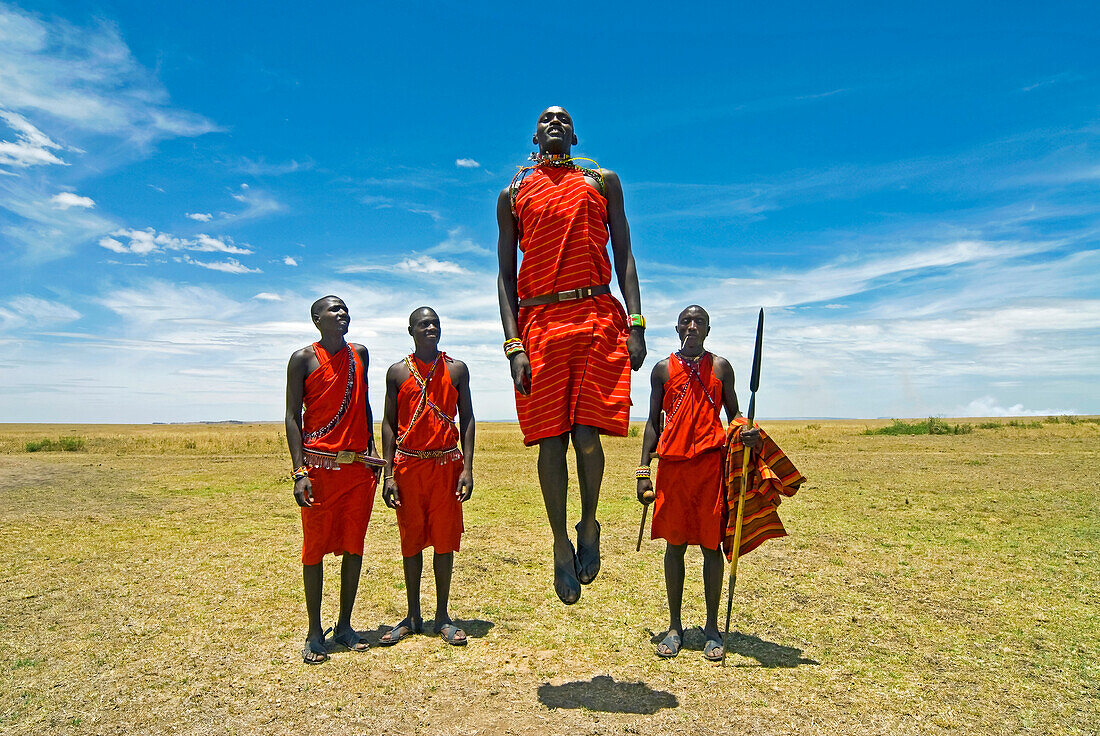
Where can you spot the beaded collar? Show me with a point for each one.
(560, 160)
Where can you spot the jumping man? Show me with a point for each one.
(570, 344)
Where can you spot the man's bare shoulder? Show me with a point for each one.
(301, 355)
(457, 368)
(660, 370)
(721, 365)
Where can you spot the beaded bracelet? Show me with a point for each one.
(636, 320)
(643, 471)
(512, 346)
(300, 472)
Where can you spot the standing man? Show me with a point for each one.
(689, 387)
(427, 477)
(570, 344)
(330, 433)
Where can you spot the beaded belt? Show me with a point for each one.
(333, 460)
(429, 453)
(565, 296)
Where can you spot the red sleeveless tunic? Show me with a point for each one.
(690, 507)
(334, 418)
(428, 462)
(580, 367)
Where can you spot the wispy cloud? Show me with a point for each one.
(257, 204)
(414, 265)
(200, 216)
(988, 406)
(230, 265)
(264, 168)
(144, 242)
(290, 261)
(86, 79)
(466, 163)
(65, 200)
(31, 146)
(267, 296)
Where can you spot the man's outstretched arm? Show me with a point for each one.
(506, 289)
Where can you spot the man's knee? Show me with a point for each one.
(675, 551)
(553, 447)
(586, 439)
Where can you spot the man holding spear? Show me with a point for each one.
(689, 388)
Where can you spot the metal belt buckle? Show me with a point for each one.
(570, 295)
(343, 457)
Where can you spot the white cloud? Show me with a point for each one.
(290, 261)
(144, 242)
(267, 296)
(257, 204)
(86, 79)
(230, 265)
(200, 216)
(456, 243)
(427, 264)
(988, 406)
(466, 163)
(27, 309)
(113, 245)
(65, 200)
(208, 244)
(31, 146)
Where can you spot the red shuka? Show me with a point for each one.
(333, 419)
(429, 515)
(771, 476)
(580, 367)
(690, 507)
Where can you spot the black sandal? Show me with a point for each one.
(588, 558)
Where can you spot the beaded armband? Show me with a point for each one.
(512, 346)
(300, 472)
(636, 320)
(643, 471)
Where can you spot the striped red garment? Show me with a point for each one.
(771, 475)
(580, 367)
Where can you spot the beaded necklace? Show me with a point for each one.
(556, 161)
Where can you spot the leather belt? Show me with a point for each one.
(566, 296)
(332, 460)
(429, 453)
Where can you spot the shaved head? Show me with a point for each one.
(320, 303)
(695, 308)
(421, 312)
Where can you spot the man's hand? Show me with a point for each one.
(635, 345)
(751, 438)
(390, 494)
(372, 452)
(465, 487)
(521, 372)
(303, 492)
(645, 491)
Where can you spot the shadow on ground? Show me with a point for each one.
(768, 654)
(475, 628)
(603, 694)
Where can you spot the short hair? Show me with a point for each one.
(694, 306)
(316, 308)
(421, 309)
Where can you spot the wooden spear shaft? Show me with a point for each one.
(754, 384)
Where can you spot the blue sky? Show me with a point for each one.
(912, 194)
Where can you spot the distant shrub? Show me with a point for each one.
(990, 425)
(932, 425)
(61, 444)
(633, 432)
(813, 426)
(1024, 425)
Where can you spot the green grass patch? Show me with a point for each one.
(932, 425)
(61, 444)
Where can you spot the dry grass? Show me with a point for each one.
(931, 584)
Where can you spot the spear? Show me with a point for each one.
(754, 384)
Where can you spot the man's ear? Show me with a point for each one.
(574, 139)
(535, 139)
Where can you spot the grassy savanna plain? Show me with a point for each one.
(930, 584)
